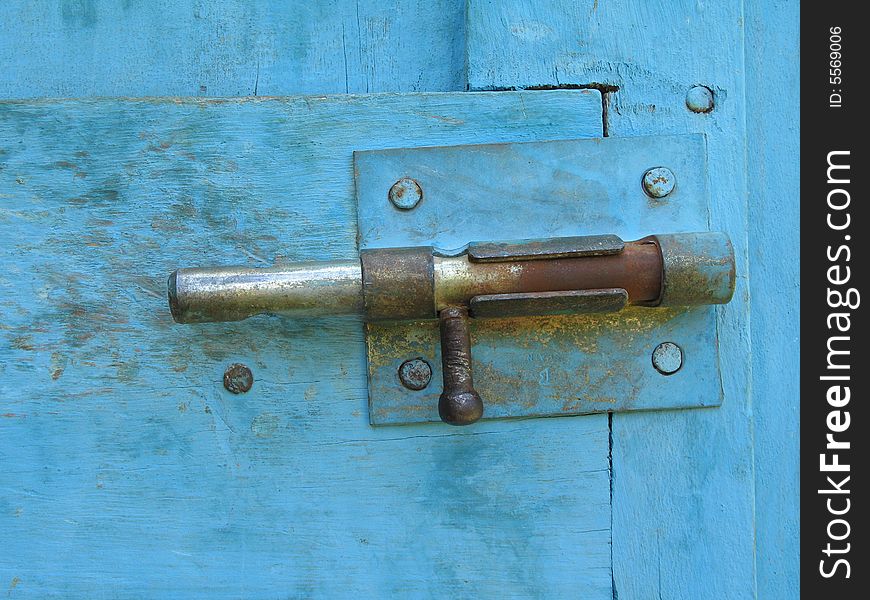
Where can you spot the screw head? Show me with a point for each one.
(667, 358)
(405, 194)
(415, 374)
(238, 379)
(699, 99)
(658, 182)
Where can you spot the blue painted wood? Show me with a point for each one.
(81, 48)
(548, 366)
(683, 481)
(128, 470)
(108, 494)
(773, 120)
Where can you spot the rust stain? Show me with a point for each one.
(398, 283)
(574, 389)
(23, 342)
(389, 342)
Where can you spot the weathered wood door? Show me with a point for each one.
(129, 471)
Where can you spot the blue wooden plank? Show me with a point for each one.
(76, 48)
(549, 366)
(683, 482)
(773, 118)
(129, 471)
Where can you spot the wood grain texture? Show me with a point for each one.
(77, 48)
(683, 482)
(128, 470)
(773, 122)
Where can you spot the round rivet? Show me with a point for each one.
(658, 182)
(415, 374)
(667, 358)
(406, 193)
(699, 99)
(238, 379)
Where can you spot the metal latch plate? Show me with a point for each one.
(559, 364)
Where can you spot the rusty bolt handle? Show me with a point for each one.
(459, 403)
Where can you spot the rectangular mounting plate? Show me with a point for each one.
(542, 366)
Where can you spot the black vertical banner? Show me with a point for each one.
(835, 367)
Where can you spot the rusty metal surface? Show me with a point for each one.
(637, 269)
(560, 247)
(415, 374)
(548, 303)
(552, 365)
(398, 283)
(459, 403)
(698, 269)
(238, 378)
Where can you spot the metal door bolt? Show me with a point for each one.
(658, 182)
(406, 193)
(459, 403)
(415, 374)
(667, 358)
